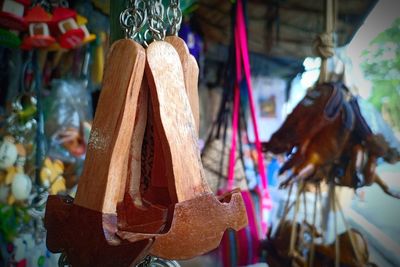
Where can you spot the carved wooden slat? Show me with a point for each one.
(135, 154)
(85, 229)
(190, 74)
(104, 170)
(174, 121)
(197, 220)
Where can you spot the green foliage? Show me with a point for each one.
(11, 219)
(381, 65)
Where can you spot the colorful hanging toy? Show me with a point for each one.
(12, 13)
(39, 33)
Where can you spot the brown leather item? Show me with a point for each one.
(358, 162)
(316, 157)
(318, 108)
(326, 253)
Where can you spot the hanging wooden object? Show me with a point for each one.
(137, 213)
(88, 37)
(156, 190)
(190, 74)
(84, 228)
(197, 219)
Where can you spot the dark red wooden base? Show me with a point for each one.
(88, 237)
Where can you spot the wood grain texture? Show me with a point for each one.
(197, 226)
(195, 219)
(190, 74)
(105, 165)
(135, 155)
(193, 90)
(174, 121)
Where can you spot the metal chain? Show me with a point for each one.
(132, 20)
(150, 12)
(150, 261)
(155, 20)
(174, 16)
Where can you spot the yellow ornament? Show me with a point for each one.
(51, 176)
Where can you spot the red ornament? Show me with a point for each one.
(39, 34)
(11, 14)
(64, 21)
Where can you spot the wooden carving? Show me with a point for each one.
(190, 74)
(196, 218)
(142, 189)
(84, 228)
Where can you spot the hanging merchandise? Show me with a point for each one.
(87, 37)
(243, 247)
(242, 58)
(68, 108)
(341, 148)
(126, 206)
(17, 149)
(28, 171)
(39, 33)
(70, 35)
(21, 198)
(51, 176)
(11, 14)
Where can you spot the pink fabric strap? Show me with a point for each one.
(235, 113)
(246, 66)
(242, 60)
(235, 124)
(265, 198)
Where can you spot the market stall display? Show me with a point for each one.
(106, 158)
(328, 140)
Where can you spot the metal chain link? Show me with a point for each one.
(132, 20)
(174, 16)
(155, 19)
(150, 12)
(150, 261)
